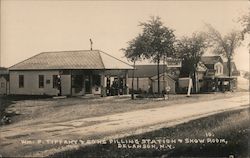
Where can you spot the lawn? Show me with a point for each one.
(230, 128)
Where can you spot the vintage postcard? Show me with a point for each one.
(140, 78)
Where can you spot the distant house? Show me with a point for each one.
(4, 81)
(234, 70)
(216, 76)
(146, 79)
(70, 73)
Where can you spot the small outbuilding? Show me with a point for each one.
(146, 78)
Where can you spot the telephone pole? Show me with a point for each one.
(91, 43)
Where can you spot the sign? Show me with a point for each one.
(190, 85)
(168, 88)
(173, 62)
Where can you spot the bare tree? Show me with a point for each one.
(245, 22)
(224, 45)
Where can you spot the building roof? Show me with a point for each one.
(234, 70)
(80, 59)
(3, 71)
(149, 71)
(142, 71)
(210, 60)
(201, 67)
(161, 76)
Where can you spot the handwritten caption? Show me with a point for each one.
(145, 143)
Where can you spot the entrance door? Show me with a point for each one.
(87, 84)
(77, 84)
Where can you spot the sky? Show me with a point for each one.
(30, 27)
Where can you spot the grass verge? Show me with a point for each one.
(231, 129)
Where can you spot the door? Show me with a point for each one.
(87, 84)
(77, 84)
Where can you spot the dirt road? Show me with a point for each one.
(109, 126)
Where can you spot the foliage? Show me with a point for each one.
(136, 48)
(190, 51)
(245, 21)
(160, 39)
(155, 42)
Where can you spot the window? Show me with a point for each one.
(55, 81)
(41, 81)
(219, 69)
(47, 81)
(21, 81)
(2, 85)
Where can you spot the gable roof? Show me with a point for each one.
(161, 75)
(234, 70)
(210, 60)
(201, 67)
(148, 71)
(81, 59)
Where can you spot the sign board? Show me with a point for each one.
(168, 88)
(173, 62)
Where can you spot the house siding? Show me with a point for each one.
(4, 85)
(66, 84)
(139, 84)
(168, 82)
(31, 86)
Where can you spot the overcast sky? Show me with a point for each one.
(30, 27)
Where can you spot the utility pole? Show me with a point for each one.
(133, 76)
(91, 43)
(164, 83)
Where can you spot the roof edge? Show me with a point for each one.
(11, 67)
(115, 58)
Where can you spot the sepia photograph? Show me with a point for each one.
(124, 79)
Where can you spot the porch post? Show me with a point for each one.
(70, 82)
(103, 85)
(126, 82)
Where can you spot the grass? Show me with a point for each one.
(232, 126)
(6, 101)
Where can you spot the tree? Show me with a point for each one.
(135, 49)
(134, 52)
(190, 51)
(160, 42)
(224, 45)
(245, 22)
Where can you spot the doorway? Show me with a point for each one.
(87, 84)
(77, 84)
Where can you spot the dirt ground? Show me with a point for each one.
(80, 118)
(59, 110)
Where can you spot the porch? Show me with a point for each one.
(95, 82)
(220, 83)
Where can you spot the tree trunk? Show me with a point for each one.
(158, 74)
(133, 76)
(194, 82)
(229, 71)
